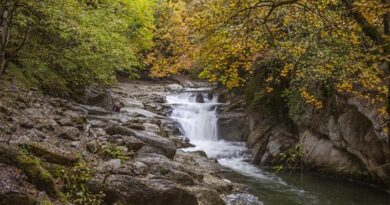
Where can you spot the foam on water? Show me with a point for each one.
(198, 121)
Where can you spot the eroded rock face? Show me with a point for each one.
(347, 142)
(269, 137)
(232, 121)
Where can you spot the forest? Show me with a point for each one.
(320, 68)
(296, 46)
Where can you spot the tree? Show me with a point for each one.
(172, 51)
(337, 46)
(75, 43)
(8, 51)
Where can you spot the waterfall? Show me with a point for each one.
(196, 112)
(198, 120)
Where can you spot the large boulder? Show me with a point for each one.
(124, 189)
(51, 153)
(233, 123)
(199, 98)
(159, 144)
(164, 168)
(323, 154)
(101, 100)
(130, 142)
(233, 127)
(119, 130)
(269, 137)
(31, 168)
(206, 196)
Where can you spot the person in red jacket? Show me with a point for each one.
(117, 107)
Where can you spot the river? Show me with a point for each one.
(198, 122)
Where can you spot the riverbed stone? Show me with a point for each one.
(69, 133)
(206, 196)
(242, 199)
(130, 190)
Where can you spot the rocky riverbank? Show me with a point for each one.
(347, 139)
(57, 151)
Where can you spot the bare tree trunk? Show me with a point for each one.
(8, 9)
(386, 18)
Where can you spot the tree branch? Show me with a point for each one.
(367, 28)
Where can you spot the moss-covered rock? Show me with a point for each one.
(51, 153)
(15, 198)
(36, 174)
(57, 171)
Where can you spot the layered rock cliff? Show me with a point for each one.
(346, 139)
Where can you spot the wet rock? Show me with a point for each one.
(233, 127)
(217, 183)
(199, 98)
(242, 199)
(210, 96)
(233, 122)
(181, 142)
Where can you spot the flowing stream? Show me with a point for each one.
(197, 117)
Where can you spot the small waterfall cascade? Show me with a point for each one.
(196, 113)
(195, 110)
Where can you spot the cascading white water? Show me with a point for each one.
(199, 123)
(198, 120)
